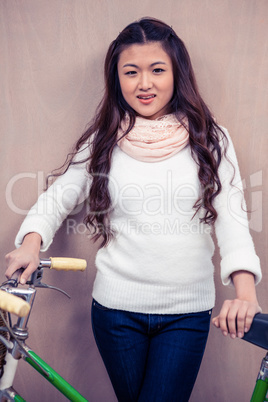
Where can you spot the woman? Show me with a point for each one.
(158, 173)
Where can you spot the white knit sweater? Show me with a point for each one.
(161, 258)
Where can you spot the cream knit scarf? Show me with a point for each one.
(153, 140)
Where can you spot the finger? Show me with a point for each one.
(215, 321)
(13, 267)
(232, 319)
(223, 317)
(252, 310)
(13, 264)
(7, 257)
(27, 273)
(242, 319)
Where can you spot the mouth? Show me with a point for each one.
(145, 97)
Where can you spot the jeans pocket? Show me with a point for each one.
(100, 306)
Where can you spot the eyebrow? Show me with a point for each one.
(151, 65)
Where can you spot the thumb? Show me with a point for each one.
(216, 322)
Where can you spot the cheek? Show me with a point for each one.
(126, 87)
(169, 87)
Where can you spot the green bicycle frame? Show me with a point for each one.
(54, 378)
(260, 391)
(18, 398)
(261, 387)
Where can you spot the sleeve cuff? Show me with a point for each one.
(241, 260)
(42, 228)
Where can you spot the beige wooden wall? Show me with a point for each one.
(51, 81)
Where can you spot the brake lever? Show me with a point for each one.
(36, 281)
(36, 277)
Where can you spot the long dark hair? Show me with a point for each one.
(206, 139)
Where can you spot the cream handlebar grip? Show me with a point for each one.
(68, 264)
(14, 304)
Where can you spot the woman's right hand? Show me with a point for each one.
(26, 256)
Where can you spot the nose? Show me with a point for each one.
(145, 82)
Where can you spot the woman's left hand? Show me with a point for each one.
(236, 317)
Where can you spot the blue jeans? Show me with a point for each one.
(150, 357)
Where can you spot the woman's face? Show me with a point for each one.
(146, 79)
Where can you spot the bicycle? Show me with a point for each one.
(258, 335)
(18, 300)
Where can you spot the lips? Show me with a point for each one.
(146, 99)
(146, 96)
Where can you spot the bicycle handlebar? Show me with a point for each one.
(14, 304)
(18, 305)
(68, 264)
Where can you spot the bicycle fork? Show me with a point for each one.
(260, 390)
(15, 347)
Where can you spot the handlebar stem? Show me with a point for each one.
(28, 295)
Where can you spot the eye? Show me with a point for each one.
(131, 72)
(158, 70)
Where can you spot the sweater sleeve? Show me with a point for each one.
(232, 228)
(54, 205)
